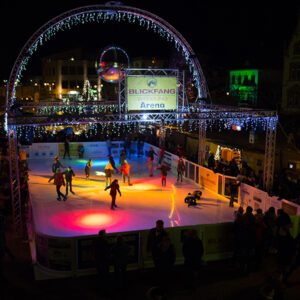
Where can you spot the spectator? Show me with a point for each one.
(192, 250)
(120, 253)
(211, 161)
(102, 256)
(165, 259)
(155, 237)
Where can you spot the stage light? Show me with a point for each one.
(145, 117)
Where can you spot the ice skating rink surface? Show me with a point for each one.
(139, 207)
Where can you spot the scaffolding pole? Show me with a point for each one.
(269, 161)
(202, 142)
(15, 182)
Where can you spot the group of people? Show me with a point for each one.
(62, 178)
(162, 251)
(163, 166)
(261, 234)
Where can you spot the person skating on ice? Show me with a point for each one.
(114, 188)
(151, 154)
(180, 169)
(164, 172)
(69, 174)
(109, 171)
(112, 162)
(125, 170)
(161, 155)
(67, 148)
(59, 181)
(56, 165)
(122, 157)
(88, 169)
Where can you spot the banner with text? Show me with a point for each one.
(151, 93)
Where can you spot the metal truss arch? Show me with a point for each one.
(97, 13)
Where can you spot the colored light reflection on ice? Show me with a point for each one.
(95, 219)
(89, 221)
(95, 163)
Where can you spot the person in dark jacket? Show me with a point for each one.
(155, 237)
(180, 169)
(192, 250)
(67, 148)
(102, 257)
(120, 252)
(164, 172)
(59, 181)
(114, 187)
(151, 154)
(161, 155)
(69, 174)
(56, 165)
(88, 169)
(233, 191)
(122, 157)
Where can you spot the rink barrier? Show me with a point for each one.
(220, 184)
(58, 257)
(91, 149)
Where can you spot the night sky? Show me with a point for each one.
(230, 35)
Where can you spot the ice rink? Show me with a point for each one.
(141, 204)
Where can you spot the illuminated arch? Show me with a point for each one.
(112, 11)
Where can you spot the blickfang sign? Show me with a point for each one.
(151, 93)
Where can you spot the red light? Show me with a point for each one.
(102, 63)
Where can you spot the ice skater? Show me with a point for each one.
(164, 172)
(180, 169)
(112, 162)
(56, 165)
(67, 148)
(161, 155)
(151, 154)
(109, 171)
(88, 169)
(122, 157)
(125, 170)
(69, 174)
(114, 187)
(59, 181)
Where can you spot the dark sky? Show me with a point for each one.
(229, 34)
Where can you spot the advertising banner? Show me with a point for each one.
(87, 248)
(54, 253)
(43, 150)
(209, 179)
(151, 93)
